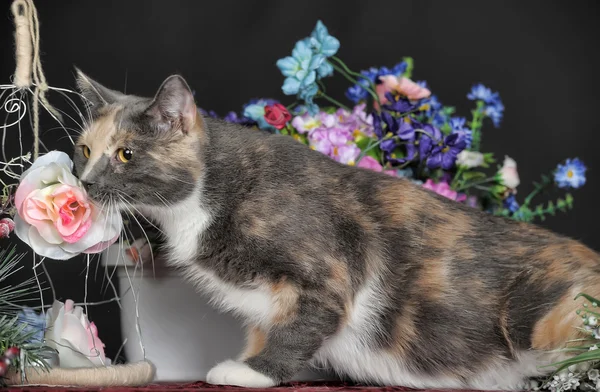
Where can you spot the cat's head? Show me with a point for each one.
(140, 151)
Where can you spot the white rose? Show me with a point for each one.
(469, 159)
(508, 174)
(76, 339)
(55, 217)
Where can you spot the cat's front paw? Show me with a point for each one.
(239, 374)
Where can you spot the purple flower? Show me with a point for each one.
(339, 136)
(318, 140)
(398, 104)
(430, 138)
(346, 154)
(444, 154)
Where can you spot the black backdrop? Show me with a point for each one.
(541, 55)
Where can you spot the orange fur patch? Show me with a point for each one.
(256, 340)
(285, 297)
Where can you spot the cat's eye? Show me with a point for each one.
(124, 155)
(86, 152)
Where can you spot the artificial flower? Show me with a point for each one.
(76, 339)
(480, 92)
(55, 217)
(368, 162)
(509, 176)
(256, 113)
(306, 123)
(7, 226)
(511, 204)
(401, 85)
(346, 154)
(323, 44)
(299, 68)
(443, 188)
(444, 154)
(277, 115)
(571, 174)
(469, 159)
(34, 322)
(457, 124)
(398, 104)
(493, 107)
(495, 112)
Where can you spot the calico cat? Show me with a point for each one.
(369, 275)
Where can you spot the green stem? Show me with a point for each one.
(537, 190)
(292, 105)
(334, 101)
(371, 90)
(354, 81)
(456, 179)
(489, 179)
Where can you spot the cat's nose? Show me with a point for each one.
(87, 184)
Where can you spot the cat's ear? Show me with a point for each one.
(96, 95)
(173, 107)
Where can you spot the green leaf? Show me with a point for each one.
(473, 175)
(446, 129)
(551, 210)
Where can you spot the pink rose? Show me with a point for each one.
(508, 174)
(7, 226)
(69, 331)
(55, 217)
(401, 85)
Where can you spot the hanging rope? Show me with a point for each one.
(27, 40)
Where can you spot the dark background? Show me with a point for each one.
(541, 55)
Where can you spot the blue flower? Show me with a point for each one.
(480, 92)
(299, 68)
(34, 323)
(458, 126)
(323, 44)
(358, 92)
(435, 111)
(511, 204)
(397, 70)
(495, 112)
(493, 108)
(571, 174)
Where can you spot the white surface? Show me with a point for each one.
(183, 336)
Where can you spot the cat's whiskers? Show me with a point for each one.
(127, 204)
(122, 195)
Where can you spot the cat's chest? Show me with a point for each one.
(183, 231)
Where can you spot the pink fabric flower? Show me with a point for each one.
(55, 217)
(444, 189)
(69, 331)
(368, 162)
(401, 85)
(7, 226)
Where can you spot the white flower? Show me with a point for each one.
(594, 347)
(593, 374)
(469, 159)
(55, 217)
(508, 174)
(592, 321)
(76, 339)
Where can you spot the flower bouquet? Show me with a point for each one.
(397, 126)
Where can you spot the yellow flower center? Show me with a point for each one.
(570, 173)
(446, 149)
(335, 151)
(351, 163)
(356, 133)
(424, 107)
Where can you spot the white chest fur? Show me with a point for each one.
(183, 225)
